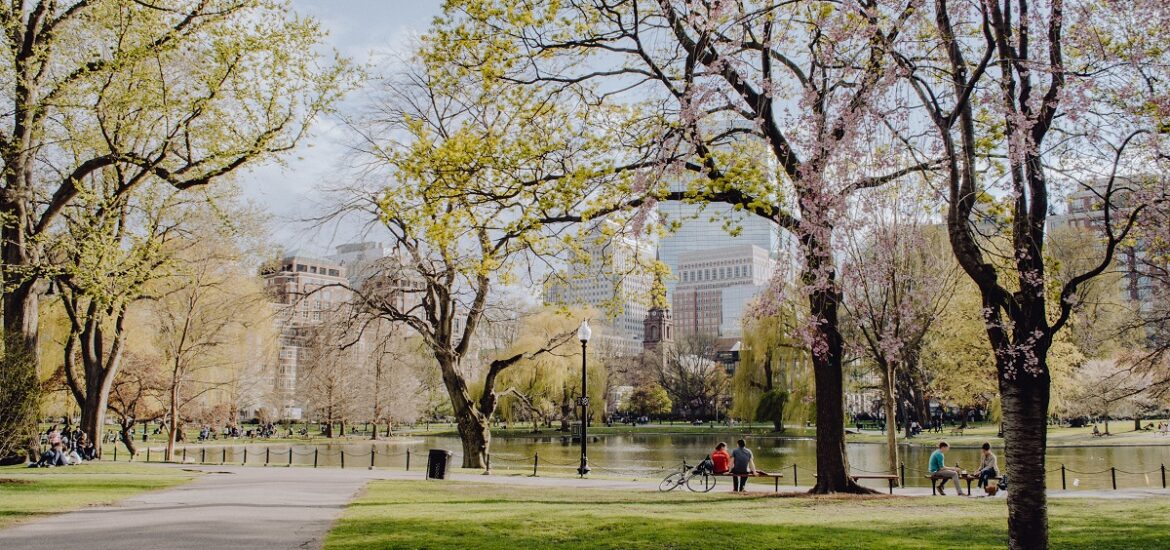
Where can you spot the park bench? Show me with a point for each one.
(935, 478)
(890, 478)
(957, 431)
(775, 477)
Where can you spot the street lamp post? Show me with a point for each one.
(583, 334)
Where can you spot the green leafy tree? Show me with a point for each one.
(648, 400)
(182, 92)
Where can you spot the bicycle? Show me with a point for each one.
(699, 479)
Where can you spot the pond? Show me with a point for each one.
(649, 455)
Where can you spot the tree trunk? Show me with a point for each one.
(475, 435)
(832, 462)
(1025, 429)
(21, 329)
(128, 436)
(93, 417)
(173, 422)
(891, 420)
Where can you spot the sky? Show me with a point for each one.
(372, 33)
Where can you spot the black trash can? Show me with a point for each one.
(437, 460)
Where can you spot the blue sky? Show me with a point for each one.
(369, 32)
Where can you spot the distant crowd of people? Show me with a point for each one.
(65, 447)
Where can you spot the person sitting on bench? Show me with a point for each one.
(743, 465)
(720, 460)
(938, 468)
(988, 468)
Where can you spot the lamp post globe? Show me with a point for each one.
(583, 334)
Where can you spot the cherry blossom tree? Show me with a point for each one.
(900, 279)
(1023, 97)
(782, 109)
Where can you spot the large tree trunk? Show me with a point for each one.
(824, 300)
(475, 435)
(21, 330)
(1025, 430)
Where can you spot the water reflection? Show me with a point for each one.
(649, 455)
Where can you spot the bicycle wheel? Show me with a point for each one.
(671, 481)
(701, 483)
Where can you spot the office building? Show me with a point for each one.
(714, 288)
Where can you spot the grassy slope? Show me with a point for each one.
(407, 514)
(26, 493)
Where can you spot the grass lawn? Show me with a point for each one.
(28, 493)
(417, 514)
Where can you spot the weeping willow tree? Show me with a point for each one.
(773, 382)
(543, 387)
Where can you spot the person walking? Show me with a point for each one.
(743, 465)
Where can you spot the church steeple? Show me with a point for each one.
(658, 328)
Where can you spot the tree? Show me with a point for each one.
(203, 318)
(648, 400)
(735, 92)
(486, 178)
(183, 93)
(899, 282)
(20, 392)
(772, 380)
(1105, 388)
(113, 248)
(1026, 90)
(137, 395)
(694, 380)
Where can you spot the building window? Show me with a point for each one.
(300, 268)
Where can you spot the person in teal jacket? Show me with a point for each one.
(939, 468)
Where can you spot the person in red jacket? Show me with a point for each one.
(720, 459)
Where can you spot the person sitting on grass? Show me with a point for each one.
(988, 468)
(938, 468)
(743, 465)
(720, 460)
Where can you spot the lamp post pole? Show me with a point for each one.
(583, 334)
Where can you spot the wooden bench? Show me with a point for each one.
(957, 431)
(935, 478)
(891, 478)
(775, 477)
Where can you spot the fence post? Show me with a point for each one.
(315, 451)
(267, 454)
(245, 462)
(1113, 474)
(488, 471)
(536, 462)
(184, 455)
(223, 455)
(148, 454)
(116, 453)
(408, 460)
(902, 467)
(342, 458)
(1063, 484)
(373, 453)
(203, 455)
(290, 456)
(794, 483)
(1163, 475)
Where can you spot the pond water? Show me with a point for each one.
(648, 455)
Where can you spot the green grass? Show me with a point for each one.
(29, 493)
(417, 514)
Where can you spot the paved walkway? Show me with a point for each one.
(238, 508)
(286, 508)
